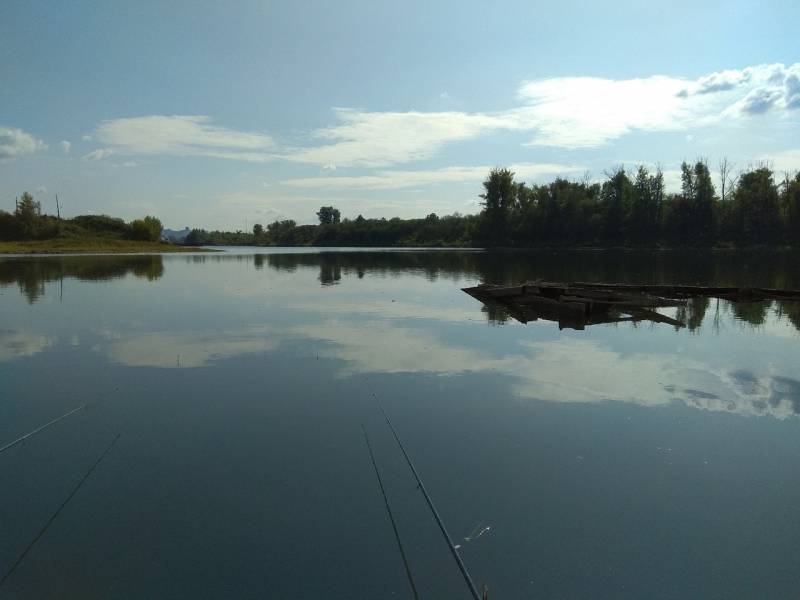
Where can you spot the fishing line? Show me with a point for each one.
(44, 529)
(453, 550)
(19, 440)
(475, 534)
(391, 516)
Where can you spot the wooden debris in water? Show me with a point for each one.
(576, 305)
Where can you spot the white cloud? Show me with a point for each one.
(65, 146)
(578, 112)
(98, 154)
(717, 82)
(584, 112)
(792, 89)
(566, 112)
(86, 138)
(388, 180)
(754, 90)
(756, 102)
(180, 135)
(15, 142)
(378, 139)
(563, 112)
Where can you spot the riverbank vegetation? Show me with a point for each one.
(626, 208)
(27, 230)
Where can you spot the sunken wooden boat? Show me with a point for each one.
(576, 305)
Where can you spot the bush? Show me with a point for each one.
(102, 224)
(8, 226)
(147, 229)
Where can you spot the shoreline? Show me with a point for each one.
(94, 246)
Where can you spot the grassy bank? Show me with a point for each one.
(90, 245)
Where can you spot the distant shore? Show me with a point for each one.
(92, 245)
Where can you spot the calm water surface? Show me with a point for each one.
(617, 462)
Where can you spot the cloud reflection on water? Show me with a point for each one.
(175, 349)
(561, 370)
(15, 343)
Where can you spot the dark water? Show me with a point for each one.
(617, 462)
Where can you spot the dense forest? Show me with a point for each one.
(626, 209)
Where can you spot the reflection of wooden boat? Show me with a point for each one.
(576, 305)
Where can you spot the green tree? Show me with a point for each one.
(500, 191)
(791, 207)
(616, 194)
(28, 214)
(282, 233)
(756, 207)
(691, 215)
(258, 230)
(646, 205)
(147, 229)
(703, 201)
(328, 215)
(499, 198)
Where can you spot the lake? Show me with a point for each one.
(621, 461)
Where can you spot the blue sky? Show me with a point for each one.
(219, 114)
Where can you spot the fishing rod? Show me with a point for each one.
(461, 566)
(391, 516)
(44, 529)
(21, 439)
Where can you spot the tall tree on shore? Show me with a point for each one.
(328, 215)
(703, 202)
(499, 199)
(648, 196)
(727, 182)
(616, 195)
(791, 207)
(756, 207)
(27, 213)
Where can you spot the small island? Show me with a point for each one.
(28, 231)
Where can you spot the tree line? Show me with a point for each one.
(27, 222)
(627, 208)
(635, 209)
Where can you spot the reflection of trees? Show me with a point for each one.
(791, 311)
(768, 268)
(754, 313)
(32, 273)
(721, 268)
(693, 313)
(330, 271)
(495, 313)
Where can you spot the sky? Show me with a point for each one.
(222, 115)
